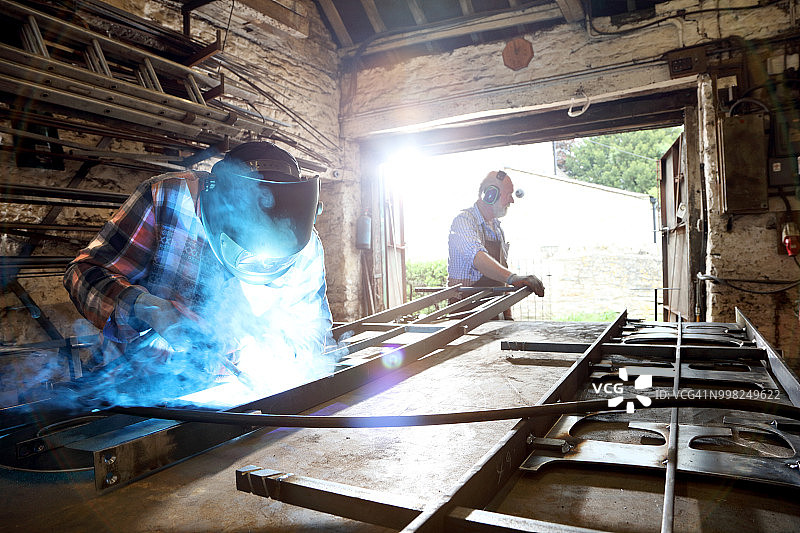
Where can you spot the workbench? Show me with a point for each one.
(418, 465)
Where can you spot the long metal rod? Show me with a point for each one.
(39, 191)
(659, 351)
(394, 313)
(786, 378)
(437, 419)
(356, 503)
(668, 512)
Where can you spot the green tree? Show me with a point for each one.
(626, 161)
(425, 274)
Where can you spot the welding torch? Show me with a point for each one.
(225, 359)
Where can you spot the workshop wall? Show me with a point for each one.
(568, 59)
(297, 72)
(746, 247)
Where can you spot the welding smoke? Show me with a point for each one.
(250, 340)
(274, 335)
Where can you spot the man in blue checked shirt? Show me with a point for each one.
(478, 251)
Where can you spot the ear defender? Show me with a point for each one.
(491, 194)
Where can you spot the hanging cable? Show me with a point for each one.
(728, 282)
(679, 14)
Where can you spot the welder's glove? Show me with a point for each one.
(531, 281)
(183, 333)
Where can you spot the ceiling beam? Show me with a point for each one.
(572, 10)
(417, 13)
(373, 15)
(336, 23)
(654, 110)
(446, 30)
(467, 9)
(419, 19)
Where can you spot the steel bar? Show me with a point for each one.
(477, 520)
(399, 311)
(149, 167)
(657, 351)
(73, 361)
(43, 93)
(96, 128)
(370, 506)
(452, 308)
(375, 507)
(72, 342)
(16, 190)
(668, 511)
(413, 327)
(550, 411)
(35, 261)
(4, 225)
(786, 378)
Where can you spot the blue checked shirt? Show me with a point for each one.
(156, 243)
(468, 235)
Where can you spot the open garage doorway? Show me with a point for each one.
(587, 224)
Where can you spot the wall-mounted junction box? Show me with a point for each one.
(744, 144)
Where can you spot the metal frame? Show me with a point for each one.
(462, 508)
(137, 449)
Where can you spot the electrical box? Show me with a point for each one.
(744, 143)
(783, 171)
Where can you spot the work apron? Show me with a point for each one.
(495, 250)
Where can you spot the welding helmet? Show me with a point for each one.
(258, 212)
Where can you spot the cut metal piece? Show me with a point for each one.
(768, 470)
(371, 506)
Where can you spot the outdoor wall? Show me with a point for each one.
(591, 245)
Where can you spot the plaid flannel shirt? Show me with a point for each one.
(468, 233)
(156, 243)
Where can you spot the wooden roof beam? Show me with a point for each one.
(528, 15)
(572, 10)
(373, 15)
(336, 23)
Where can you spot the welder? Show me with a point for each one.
(478, 251)
(179, 260)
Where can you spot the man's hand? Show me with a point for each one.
(181, 332)
(531, 281)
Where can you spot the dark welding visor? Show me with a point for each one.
(258, 218)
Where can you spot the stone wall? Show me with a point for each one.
(745, 247)
(300, 72)
(582, 282)
(568, 59)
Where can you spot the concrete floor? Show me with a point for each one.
(424, 462)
